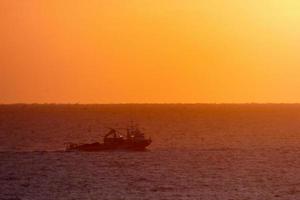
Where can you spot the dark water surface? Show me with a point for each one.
(199, 152)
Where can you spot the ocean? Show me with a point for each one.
(199, 151)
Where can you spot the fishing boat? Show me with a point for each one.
(114, 140)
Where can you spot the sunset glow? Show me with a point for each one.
(146, 51)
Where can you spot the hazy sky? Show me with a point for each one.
(143, 51)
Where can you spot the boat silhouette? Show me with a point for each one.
(114, 140)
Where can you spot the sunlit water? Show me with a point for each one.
(198, 152)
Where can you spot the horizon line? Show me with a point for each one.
(168, 103)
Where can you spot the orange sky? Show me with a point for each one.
(149, 51)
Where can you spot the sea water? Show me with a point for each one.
(199, 151)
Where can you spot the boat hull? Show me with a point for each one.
(135, 146)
